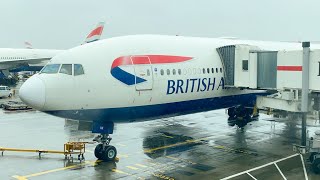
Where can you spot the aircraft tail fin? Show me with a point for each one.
(28, 45)
(95, 34)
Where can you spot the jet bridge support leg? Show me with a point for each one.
(103, 150)
(305, 90)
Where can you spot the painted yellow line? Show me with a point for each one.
(60, 169)
(132, 167)
(141, 165)
(166, 136)
(120, 172)
(123, 145)
(220, 147)
(123, 155)
(19, 177)
(170, 157)
(173, 145)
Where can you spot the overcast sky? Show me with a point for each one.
(63, 24)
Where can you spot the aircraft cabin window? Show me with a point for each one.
(162, 72)
(174, 72)
(221, 70)
(66, 69)
(78, 69)
(168, 71)
(148, 72)
(217, 70)
(212, 70)
(179, 71)
(203, 70)
(208, 70)
(51, 69)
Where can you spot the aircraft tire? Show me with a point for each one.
(109, 154)
(98, 151)
(311, 157)
(231, 112)
(316, 165)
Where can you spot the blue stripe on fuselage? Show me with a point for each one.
(125, 77)
(149, 112)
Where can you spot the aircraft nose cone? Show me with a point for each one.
(32, 92)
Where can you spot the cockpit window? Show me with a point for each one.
(78, 69)
(51, 69)
(66, 69)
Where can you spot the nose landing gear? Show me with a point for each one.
(103, 150)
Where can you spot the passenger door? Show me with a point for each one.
(143, 72)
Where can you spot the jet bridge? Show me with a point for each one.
(293, 77)
(248, 67)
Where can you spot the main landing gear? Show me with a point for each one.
(241, 116)
(103, 150)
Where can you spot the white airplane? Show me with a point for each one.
(137, 78)
(34, 59)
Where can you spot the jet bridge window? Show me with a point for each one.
(66, 69)
(51, 69)
(78, 69)
(245, 66)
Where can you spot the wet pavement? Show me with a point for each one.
(197, 146)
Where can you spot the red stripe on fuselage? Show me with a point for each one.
(96, 31)
(154, 59)
(289, 68)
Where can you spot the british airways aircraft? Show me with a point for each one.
(30, 59)
(137, 78)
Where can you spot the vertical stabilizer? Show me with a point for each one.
(28, 45)
(95, 34)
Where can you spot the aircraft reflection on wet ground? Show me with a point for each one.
(160, 143)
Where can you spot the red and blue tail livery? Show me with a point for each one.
(95, 34)
(131, 79)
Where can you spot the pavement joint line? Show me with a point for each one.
(181, 159)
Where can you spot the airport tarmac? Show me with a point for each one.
(197, 146)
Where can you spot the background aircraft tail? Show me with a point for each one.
(28, 45)
(95, 34)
